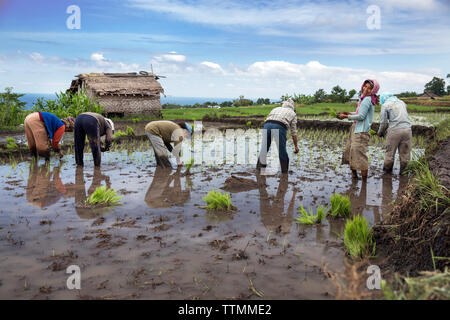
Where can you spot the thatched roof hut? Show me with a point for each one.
(427, 95)
(122, 93)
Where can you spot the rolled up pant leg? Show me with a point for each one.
(160, 149)
(404, 148)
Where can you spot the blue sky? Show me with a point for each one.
(212, 48)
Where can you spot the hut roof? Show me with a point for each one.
(119, 84)
(429, 94)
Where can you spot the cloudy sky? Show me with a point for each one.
(227, 48)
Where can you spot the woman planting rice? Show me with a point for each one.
(399, 136)
(40, 128)
(355, 153)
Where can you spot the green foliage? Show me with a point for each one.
(12, 111)
(215, 200)
(358, 237)
(136, 120)
(242, 102)
(311, 218)
(372, 132)
(10, 143)
(430, 192)
(130, 131)
(436, 86)
(263, 101)
(428, 286)
(320, 96)
(340, 205)
(68, 104)
(249, 123)
(104, 196)
(332, 113)
(189, 165)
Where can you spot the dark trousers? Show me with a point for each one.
(86, 125)
(267, 141)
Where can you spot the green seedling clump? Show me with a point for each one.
(119, 133)
(340, 205)
(372, 132)
(215, 200)
(104, 196)
(130, 131)
(358, 237)
(311, 218)
(11, 144)
(249, 123)
(189, 165)
(333, 113)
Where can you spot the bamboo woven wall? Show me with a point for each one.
(128, 105)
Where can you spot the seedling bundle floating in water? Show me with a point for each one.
(104, 196)
(215, 200)
(340, 205)
(358, 237)
(311, 218)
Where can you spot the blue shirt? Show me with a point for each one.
(364, 117)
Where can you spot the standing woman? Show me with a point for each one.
(40, 128)
(399, 136)
(355, 153)
(94, 126)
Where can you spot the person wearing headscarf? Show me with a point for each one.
(94, 126)
(355, 153)
(279, 120)
(161, 134)
(44, 130)
(395, 121)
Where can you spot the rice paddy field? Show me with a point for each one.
(161, 242)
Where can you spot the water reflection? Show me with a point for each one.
(83, 211)
(161, 194)
(272, 209)
(45, 187)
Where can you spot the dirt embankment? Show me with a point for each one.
(415, 239)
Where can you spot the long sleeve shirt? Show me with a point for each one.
(104, 128)
(364, 117)
(169, 132)
(394, 115)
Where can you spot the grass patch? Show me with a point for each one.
(120, 133)
(429, 190)
(104, 196)
(215, 200)
(309, 217)
(428, 286)
(340, 205)
(358, 237)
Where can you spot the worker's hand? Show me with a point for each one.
(342, 116)
(296, 149)
(61, 154)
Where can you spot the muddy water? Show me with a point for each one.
(160, 244)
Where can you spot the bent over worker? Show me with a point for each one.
(279, 120)
(161, 134)
(94, 126)
(394, 119)
(41, 127)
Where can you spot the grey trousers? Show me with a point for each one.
(160, 149)
(400, 139)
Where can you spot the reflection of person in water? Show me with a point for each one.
(272, 214)
(386, 202)
(83, 211)
(358, 201)
(44, 187)
(161, 195)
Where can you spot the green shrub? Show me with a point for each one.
(104, 196)
(11, 144)
(358, 237)
(12, 112)
(311, 218)
(68, 104)
(215, 200)
(130, 131)
(340, 205)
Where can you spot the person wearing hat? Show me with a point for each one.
(41, 127)
(161, 134)
(94, 126)
(394, 119)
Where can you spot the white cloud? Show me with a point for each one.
(171, 57)
(37, 57)
(212, 66)
(97, 57)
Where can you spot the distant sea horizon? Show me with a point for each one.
(31, 98)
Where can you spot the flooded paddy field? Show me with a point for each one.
(161, 244)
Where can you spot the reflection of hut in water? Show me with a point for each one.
(122, 93)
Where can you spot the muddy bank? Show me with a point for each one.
(410, 237)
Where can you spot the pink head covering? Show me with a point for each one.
(375, 88)
(373, 94)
